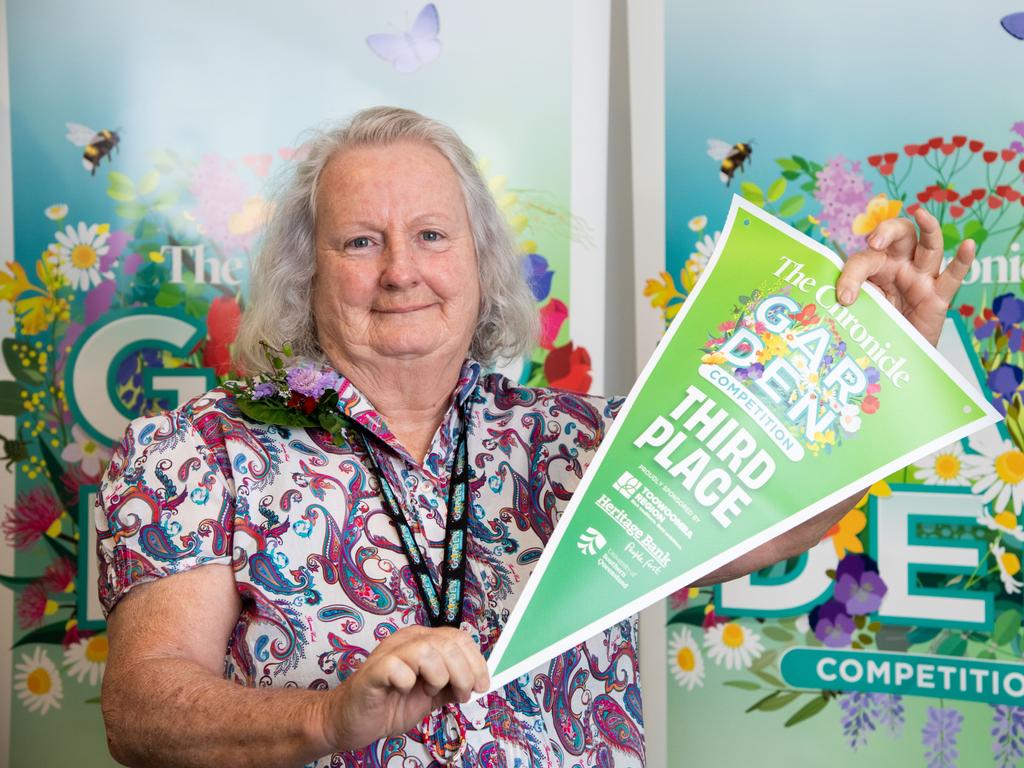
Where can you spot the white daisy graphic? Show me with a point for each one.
(79, 252)
(1009, 567)
(944, 467)
(1004, 522)
(56, 212)
(697, 223)
(705, 247)
(37, 682)
(850, 418)
(732, 644)
(86, 450)
(87, 658)
(997, 470)
(685, 659)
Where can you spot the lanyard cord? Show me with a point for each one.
(444, 605)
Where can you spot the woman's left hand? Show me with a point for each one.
(906, 268)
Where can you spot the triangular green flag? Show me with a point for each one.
(766, 403)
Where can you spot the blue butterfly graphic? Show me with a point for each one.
(1014, 24)
(410, 50)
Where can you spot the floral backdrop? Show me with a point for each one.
(157, 207)
(92, 268)
(975, 187)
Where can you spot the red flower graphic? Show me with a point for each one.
(30, 517)
(222, 328)
(568, 367)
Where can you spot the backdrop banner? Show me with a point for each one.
(832, 117)
(144, 141)
(726, 444)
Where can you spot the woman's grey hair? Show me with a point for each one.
(279, 309)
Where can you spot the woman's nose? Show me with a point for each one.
(399, 269)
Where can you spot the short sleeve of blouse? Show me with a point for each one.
(165, 504)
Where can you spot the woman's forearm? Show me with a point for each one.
(185, 716)
(793, 542)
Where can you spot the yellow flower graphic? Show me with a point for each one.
(13, 283)
(844, 533)
(36, 306)
(879, 209)
(881, 488)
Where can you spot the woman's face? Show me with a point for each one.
(396, 275)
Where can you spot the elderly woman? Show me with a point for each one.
(271, 592)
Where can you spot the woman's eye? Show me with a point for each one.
(359, 242)
(431, 236)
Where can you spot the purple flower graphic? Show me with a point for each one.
(890, 712)
(872, 375)
(1005, 380)
(1009, 309)
(751, 372)
(939, 737)
(1016, 339)
(859, 588)
(1018, 128)
(220, 194)
(985, 330)
(1007, 735)
(832, 625)
(844, 194)
(538, 275)
(858, 717)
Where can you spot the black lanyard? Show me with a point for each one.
(444, 607)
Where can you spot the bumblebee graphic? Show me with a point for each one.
(98, 144)
(731, 156)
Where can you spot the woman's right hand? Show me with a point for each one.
(411, 673)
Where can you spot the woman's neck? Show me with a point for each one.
(412, 395)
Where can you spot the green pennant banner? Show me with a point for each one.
(765, 403)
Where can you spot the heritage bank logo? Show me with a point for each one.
(627, 485)
(591, 542)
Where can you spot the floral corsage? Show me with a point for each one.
(292, 395)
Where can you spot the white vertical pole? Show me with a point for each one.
(7, 423)
(590, 56)
(647, 126)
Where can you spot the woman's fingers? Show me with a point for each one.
(930, 244)
(397, 674)
(443, 658)
(896, 236)
(948, 283)
(858, 268)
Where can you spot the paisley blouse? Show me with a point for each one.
(323, 577)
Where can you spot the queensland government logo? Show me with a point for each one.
(591, 542)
